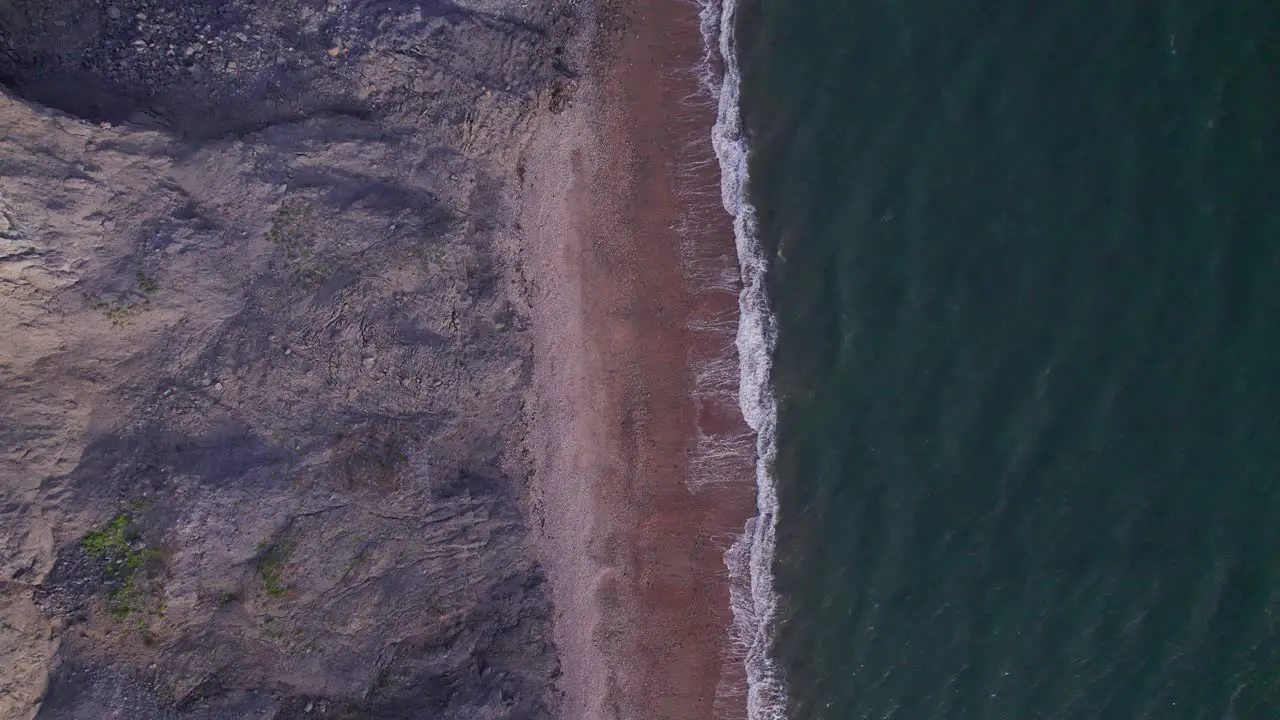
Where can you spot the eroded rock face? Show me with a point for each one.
(263, 357)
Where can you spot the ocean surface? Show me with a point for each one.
(1024, 260)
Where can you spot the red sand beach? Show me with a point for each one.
(624, 235)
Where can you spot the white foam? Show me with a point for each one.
(750, 559)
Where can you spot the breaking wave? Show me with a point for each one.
(750, 558)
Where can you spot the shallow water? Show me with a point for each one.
(1025, 260)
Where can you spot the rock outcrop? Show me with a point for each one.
(263, 358)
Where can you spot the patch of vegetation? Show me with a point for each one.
(119, 312)
(271, 568)
(113, 539)
(147, 284)
(291, 223)
(123, 557)
(293, 228)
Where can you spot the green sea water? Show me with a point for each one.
(1025, 262)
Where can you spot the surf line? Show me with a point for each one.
(750, 558)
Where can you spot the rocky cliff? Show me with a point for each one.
(263, 355)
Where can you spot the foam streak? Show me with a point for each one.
(750, 559)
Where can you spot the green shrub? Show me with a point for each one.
(271, 569)
(122, 557)
(147, 284)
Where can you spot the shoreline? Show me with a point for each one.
(642, 462)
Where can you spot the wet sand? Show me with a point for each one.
(629, 266)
